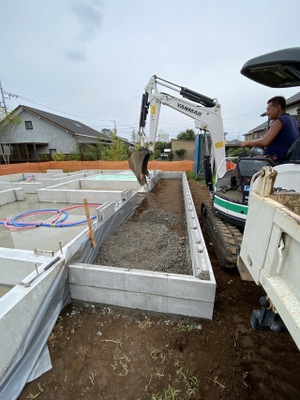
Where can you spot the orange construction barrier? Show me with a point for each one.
(230, 165)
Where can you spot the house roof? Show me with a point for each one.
(74, 127)
(293, 99)
(289, 102)
(260, 127)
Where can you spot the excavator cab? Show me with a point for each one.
(246, 167)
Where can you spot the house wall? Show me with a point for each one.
(293, 109)
(255, 135)
(46, 134)
(188, 145)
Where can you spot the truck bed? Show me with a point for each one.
(270, 250)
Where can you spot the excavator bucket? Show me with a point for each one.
(138, 162)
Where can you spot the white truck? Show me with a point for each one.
(270, 248)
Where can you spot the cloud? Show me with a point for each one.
(89, 17)
(76, 55)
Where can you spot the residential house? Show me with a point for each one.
(39, 133)
(293, 108)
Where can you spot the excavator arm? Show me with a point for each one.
(205, 112)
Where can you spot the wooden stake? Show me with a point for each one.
(89, 222)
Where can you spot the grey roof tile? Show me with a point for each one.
(71, 125)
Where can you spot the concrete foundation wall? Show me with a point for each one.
(19, 313)
(11, 195)
(144, 290)
(40, 180)
(108, 185)
(152, 291)
(76, 196)
(15, 265)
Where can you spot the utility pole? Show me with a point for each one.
(8, 96)
(3, 100)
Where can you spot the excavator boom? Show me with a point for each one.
(205, 111)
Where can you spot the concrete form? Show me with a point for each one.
(153, 291)
(37, 277)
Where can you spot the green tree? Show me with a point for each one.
(59, 157)
(180, 152)
(188, 134)
(8, 125)
(134, 136)
(235, 152)
(90, 152)
(117, 151)
(159, 148)
(162, 145)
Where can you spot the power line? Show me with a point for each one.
(130, 124)
(11, 96)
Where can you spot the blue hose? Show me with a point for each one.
(59, 224)
(21, 224)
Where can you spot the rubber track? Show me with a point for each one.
(226, 238)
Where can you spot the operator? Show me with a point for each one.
(281, 134)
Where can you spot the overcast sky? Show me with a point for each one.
(90, 60)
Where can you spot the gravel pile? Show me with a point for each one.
(147, 241)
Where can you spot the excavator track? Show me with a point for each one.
(226, 238)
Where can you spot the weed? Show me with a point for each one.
(34, 396)
(169, 394)
(158, 354)
(155, 353)
(92, 378)
(121, 366)
(194, 177)
(118, 342)
(148, 384)
(144, 324)
(190, 382)
(215, 380)
(184, 327)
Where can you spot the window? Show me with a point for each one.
(28, 125)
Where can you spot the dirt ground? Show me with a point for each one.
(103, 352)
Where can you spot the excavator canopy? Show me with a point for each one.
(278, 69)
